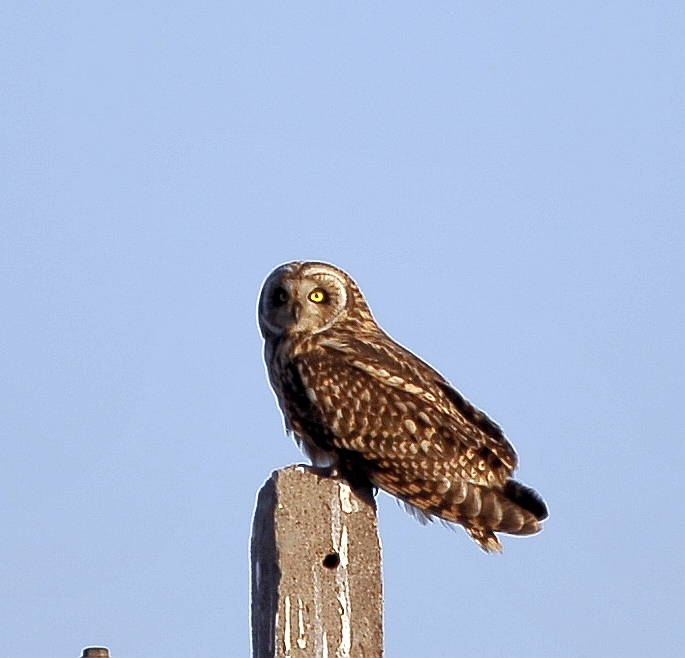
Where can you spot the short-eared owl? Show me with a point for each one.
(357, 400)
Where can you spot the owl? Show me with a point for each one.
(375, 414)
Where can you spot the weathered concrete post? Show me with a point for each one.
(316, 569)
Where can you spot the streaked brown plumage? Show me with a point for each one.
(357, 400)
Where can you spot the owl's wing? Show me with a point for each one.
(382, 402)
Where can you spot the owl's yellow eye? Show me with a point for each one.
(318, 296)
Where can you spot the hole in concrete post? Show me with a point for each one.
(331, 561)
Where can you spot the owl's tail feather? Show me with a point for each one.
(486, 539)
(516, 510)
(526, 498)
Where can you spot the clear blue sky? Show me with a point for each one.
(506, 185)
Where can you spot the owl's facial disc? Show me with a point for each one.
(302, 298)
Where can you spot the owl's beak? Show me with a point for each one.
(296, 311)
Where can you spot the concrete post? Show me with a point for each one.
(316, 569)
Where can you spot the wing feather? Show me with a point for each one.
(400, 416)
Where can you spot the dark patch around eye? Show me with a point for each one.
(279, 296)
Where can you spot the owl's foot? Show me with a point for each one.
(361, 487)
(330, 471)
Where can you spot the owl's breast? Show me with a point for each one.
(303, 415)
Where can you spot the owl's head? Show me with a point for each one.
(308, 297)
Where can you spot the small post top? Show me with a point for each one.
(95, 652)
